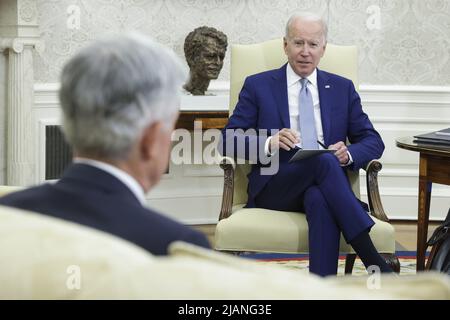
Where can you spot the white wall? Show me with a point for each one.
(402, 42)
(192, 193)
(398, 111)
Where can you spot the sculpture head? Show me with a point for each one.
(204, 49)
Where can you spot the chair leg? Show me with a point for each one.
(392, 260)
(349, 262)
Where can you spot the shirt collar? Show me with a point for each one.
(124, 177)
(292, 77)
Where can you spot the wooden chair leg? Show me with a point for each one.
(349, 262)
(392, 260)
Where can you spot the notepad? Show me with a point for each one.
(444, 132)
(308, 153)
(438, 137)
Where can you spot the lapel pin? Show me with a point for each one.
(327, 86)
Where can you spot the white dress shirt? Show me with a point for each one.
(293, 89)
(124, 177)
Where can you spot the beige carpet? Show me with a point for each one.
(407, 265)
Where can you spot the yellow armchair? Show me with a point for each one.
(261, 230)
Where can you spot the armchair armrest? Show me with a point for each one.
(228, 165)
(373, 194)
(372, 169)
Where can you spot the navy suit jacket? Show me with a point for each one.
(263, 105)
(94, 198)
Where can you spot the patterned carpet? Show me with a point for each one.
(300, 262)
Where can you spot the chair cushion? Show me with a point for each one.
(262, 230)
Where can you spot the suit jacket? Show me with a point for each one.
(263, 106)
(93, 197)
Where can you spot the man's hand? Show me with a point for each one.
(285, 139)
(341, 152)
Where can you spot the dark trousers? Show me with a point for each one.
(319, 187)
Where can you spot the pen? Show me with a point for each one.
(321, 144)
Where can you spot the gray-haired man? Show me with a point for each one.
(119, 100)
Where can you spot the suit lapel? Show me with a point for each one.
(325, 96)
(279, 89)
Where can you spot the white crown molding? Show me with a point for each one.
(217, 96)
(404, 89)
(46, 87)
(46, 95)
(398, 120)
(224, 86)
(411, 96)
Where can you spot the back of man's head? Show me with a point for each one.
(113, 89)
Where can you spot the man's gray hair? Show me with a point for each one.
(113, 89)
(307, 16)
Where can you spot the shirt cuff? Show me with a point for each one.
(266, 147)
(350, 160)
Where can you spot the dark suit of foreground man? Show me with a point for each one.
(119, 100)
(318, 185)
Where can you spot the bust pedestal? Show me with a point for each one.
(192, 192)
(211, 110)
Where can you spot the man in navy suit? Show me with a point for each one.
(300, 105)
(119, 100)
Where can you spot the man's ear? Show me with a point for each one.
(284, 44)
(324, 49)
(148, 144)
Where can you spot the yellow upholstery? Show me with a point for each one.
(47, 258)
(4, 190)
(254, 58)
(260, 230)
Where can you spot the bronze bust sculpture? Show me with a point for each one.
(204, 49)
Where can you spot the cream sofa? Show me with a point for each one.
(47, 258)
